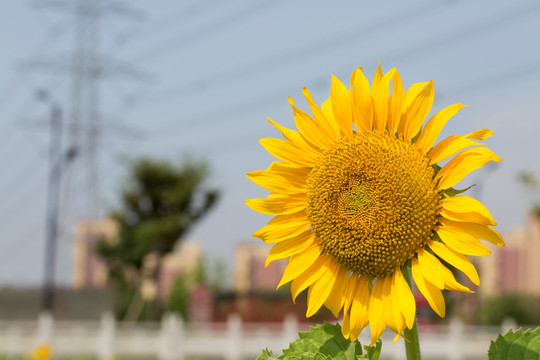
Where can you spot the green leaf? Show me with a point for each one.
(374, 352)
(453, 192)
(322, 342)
(319, 356)
(517, 345)
(266, 355)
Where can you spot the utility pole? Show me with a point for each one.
(87, 68)
(57, 160)
(82, 126)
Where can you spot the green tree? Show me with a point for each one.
(523, 308)
(178, 297)
(531, 184)
(159, 204)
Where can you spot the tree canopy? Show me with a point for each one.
(159, 204)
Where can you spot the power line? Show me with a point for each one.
(229, 143)
(163, 49)
(184, 40)
(85, 64)
(187, 13)
(272, 62)
(499, 77)
(472, 86)
(504, 18)
(11, 129)
(26, 190)
(476, 28)
(51, 83)
(87, 68)
(465, 32)
(21, 79)
(21, 167)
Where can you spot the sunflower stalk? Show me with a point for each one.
(412, 342)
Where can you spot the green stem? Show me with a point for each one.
(412, 343)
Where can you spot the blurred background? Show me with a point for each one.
(127, 127)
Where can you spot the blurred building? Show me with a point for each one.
(250, 274)
(185, 260)
(24, 303)
(514, 268)
(89, 270)
(254, 296)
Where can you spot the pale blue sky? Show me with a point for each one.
(217, 69)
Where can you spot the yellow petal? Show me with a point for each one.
(377, 323)
(394, 107)
(320, 289)
(279, 220)
(393, 316)
(290, 170)
(430, 267)
(387, 303)
(335, 302)
(344, 129)
(331, 129)
(346, 327)
(434, 126)
(396, 308)
(456, 143)
(290, 246)
(462, 242)
(350, 296)
(309, 128)
(478, 231)
(278, 204)
(300, 263)
(352, 286)
(462, 164)
(414, 115)
(450, 282)
(430, 292)
(285, 227)
(481, 134)
(406, 301)
(297, 139)
(360, 307)
(312, 274)
(380, 93)
(281, 177)
(411, 94)
(467, 209)
(341, 106)
(457, 260)
(377, 77)
(361, 101)
(449, 147)
(285, 151)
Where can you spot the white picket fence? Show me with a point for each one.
(173, 339)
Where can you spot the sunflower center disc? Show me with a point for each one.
(372, 202)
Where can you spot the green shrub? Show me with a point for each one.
(524, 309)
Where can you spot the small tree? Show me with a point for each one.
(178, 297)
(531, 184)
(159, 204)
(523, 308)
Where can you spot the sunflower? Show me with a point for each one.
(358, 198)
(42, 352)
